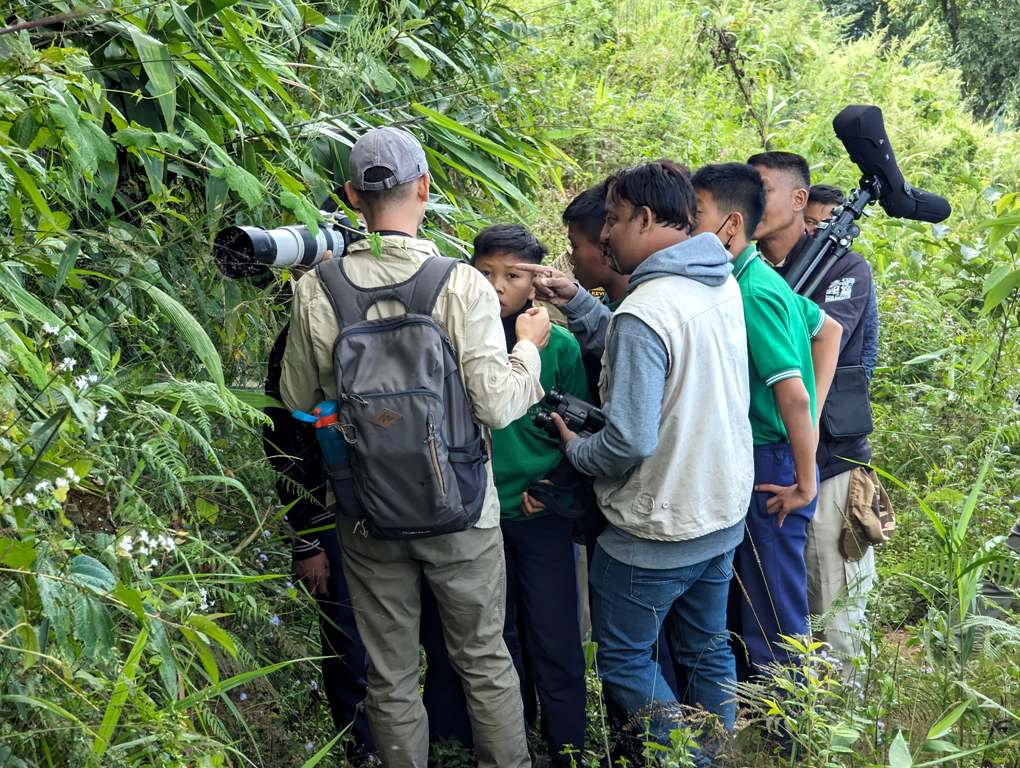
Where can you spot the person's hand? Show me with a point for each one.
(550, 284)
(314, 572)
(565, 434)
(786, 498)
(534, 326)
(530, 505)
(299, 271)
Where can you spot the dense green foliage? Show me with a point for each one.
(980, 37)
(146, 617)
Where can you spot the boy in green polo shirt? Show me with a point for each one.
(792, 350)
(535, 486)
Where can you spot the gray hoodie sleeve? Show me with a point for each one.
(638, 360)
(587, 319)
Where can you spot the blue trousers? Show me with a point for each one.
(769, 597)
(343, 669)
(629, 607)
(541, 629)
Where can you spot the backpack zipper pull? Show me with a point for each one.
(359, 527)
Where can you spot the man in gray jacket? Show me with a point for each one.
(673, 465)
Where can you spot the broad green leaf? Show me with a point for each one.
(13, 291)
(10, 342)
(243, 183)
(899, 753)
(214, 631)
(304, 211)
(17, 554)
(190, 329)
(28, 186)
(92, 626)
(256, 399)
(999, 289)
(204, 652)
(88, 572)
(945, 723)
(159, 66)
(119, 697)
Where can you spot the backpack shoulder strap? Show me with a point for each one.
(419, 295)
(349, 302)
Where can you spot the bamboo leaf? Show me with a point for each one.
(159, 66)
(190, 329)
(945, 723)
(119, 697)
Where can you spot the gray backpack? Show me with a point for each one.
(417, 460)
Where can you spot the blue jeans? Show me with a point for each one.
(629, 606)
(771, 568)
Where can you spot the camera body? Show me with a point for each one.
(245, 252)
(578, 415)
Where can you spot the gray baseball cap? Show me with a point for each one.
(391, 148)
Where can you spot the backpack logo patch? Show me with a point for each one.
(385, 418)
(840, 290)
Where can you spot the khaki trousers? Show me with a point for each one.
(467, 574)
(837, 589)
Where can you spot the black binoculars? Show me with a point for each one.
(578, 415)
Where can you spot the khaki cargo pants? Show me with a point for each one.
(467, 574)
(837, 589)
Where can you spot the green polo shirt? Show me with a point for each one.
(522, 453)
(780, 326)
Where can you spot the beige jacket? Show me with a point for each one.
(500, 387)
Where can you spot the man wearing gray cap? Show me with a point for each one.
(465, 569)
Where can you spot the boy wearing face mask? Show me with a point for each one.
(792, 350)
(536, 486)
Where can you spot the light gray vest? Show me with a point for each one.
(699, 479)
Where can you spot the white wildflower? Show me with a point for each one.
(67, 364)
(124, 546)
(31, 498)
(50, 330)
(143, 535)
(309, 746)
(43, 486)
(101, 414)
(203, 603)
(60, 482)
(72, 475)
(69, 336)
(153, 563)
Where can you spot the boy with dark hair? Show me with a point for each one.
(673, 465)
(536, 486)
(845, 295)
(822, 200)
(792, 349)
(583, 218)
(465, 568)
